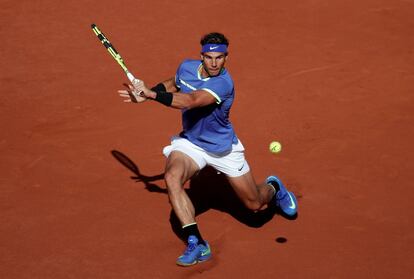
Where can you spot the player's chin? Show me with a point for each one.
(214, 73)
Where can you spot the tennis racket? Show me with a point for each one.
(114, 53)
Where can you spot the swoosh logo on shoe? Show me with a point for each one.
(206, 252)
(293, 206)
(211, 48)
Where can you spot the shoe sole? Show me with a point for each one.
(186, 264)
(193, 263)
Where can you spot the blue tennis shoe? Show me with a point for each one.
(285, 200)
(194, 252)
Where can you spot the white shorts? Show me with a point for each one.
(232, 164)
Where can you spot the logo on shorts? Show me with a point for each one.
(240, 169)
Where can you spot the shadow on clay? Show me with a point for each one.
(207, 190)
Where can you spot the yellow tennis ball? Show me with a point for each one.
(275, 147)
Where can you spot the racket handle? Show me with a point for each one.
(130, 77)
(134, 80)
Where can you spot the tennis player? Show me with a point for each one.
(204, 92)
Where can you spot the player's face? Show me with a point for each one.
(213, 62)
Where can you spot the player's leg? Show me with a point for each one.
(181, 167)
(236, 168)
(255, 197)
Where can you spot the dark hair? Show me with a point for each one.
(214, 38)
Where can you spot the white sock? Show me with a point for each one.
(273, 187)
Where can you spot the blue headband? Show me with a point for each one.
(214, 48)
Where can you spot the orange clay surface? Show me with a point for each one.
(81, 188)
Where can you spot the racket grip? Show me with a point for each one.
(134, 80)
(130, 77)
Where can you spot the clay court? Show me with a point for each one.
(82, 193)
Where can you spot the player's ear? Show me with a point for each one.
(201, 56)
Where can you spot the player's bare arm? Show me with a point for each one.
(170, 85)
(197, 98)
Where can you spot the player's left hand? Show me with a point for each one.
(140, 86)
(132, 95)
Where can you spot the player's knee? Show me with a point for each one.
(172, 180)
